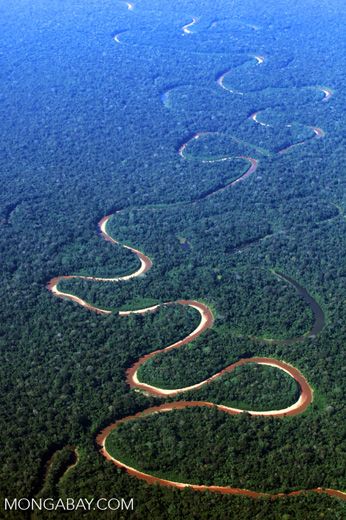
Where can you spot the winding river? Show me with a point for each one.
(186, 27)
(206, 321)
(253, 165)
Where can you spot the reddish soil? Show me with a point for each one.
(207, 319)
(206, 322)
(150, 479)
(52, 287)
(145, 261)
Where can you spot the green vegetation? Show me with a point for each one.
(251, 387)
(139, 303)
(56, 467)
(84, 134)
(261, 454)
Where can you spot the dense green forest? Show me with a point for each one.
(187, 446)
(266, 388)
(97, 103)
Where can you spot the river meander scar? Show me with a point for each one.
(206, 321)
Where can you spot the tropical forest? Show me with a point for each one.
(172, 252)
